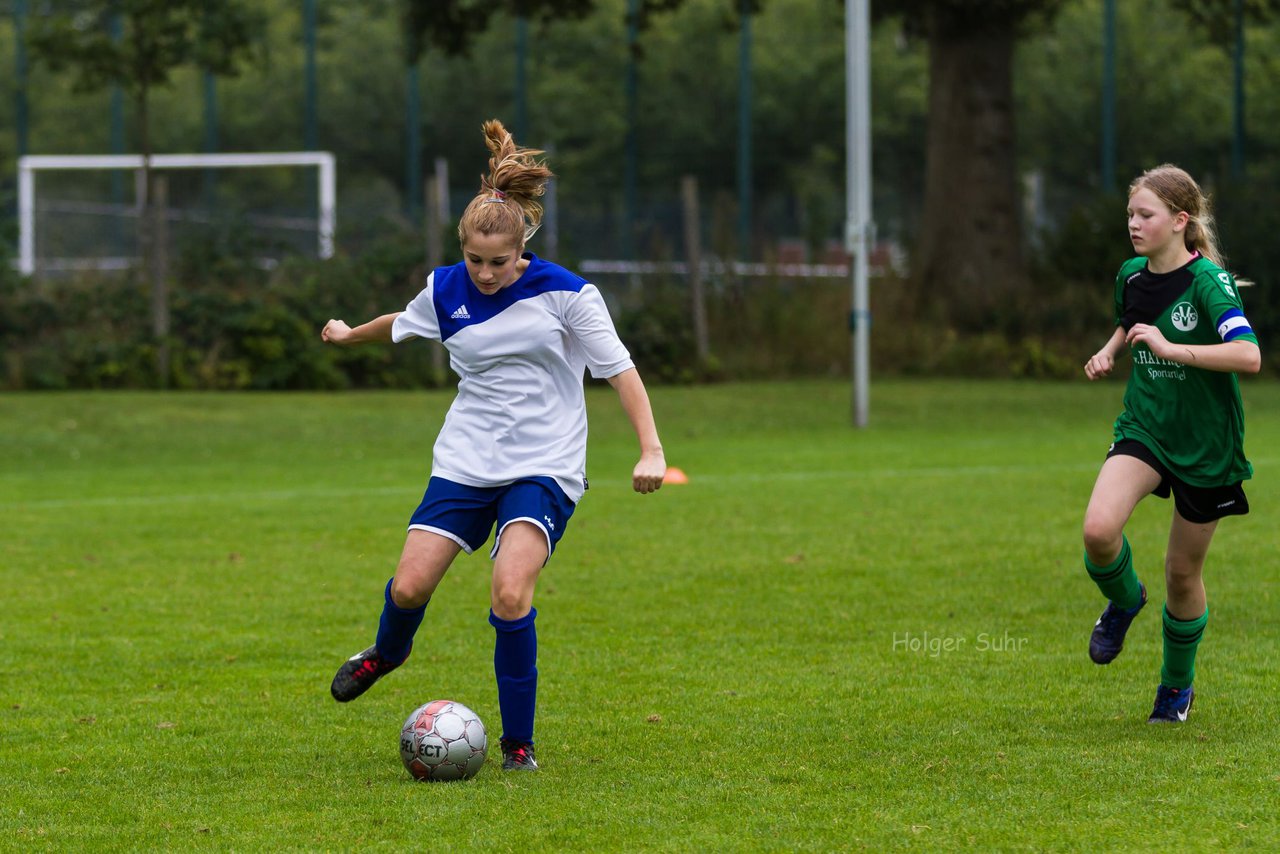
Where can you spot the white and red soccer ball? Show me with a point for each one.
(443, 740)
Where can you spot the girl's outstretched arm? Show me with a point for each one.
(652, 467)
(377, 330)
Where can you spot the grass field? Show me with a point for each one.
(829, 639)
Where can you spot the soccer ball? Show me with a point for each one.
(443, 740)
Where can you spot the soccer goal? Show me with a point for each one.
(69, 218)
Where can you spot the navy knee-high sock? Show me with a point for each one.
(396, 628)
(515, 658)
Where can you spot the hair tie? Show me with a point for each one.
(498, 196)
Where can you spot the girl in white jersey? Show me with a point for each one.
(520, 332)
(1182, 430)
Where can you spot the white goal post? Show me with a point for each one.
(29, 164)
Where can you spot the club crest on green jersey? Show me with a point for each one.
(1184, 316)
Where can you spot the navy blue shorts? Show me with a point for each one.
(466, 514)
(1199, 504)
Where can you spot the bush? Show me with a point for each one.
(233, 325)
(237, 326)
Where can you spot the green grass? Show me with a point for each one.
(182, 574)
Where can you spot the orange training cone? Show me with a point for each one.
(675, 475)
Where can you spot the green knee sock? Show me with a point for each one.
(1117, 580)
(1181, 639)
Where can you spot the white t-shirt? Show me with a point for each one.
(520, 353)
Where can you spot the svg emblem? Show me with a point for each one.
(1184, 317)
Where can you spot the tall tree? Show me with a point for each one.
(159, 37)
(970, 259)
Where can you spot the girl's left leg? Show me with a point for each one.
(1186, 610)
(516, 568)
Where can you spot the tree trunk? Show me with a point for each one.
(693, 260)
(969, 261)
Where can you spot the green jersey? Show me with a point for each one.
(1189, 417)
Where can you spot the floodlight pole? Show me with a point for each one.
(858, 226)
(1237, 56)
(310, 125)
(1108, 95)
(20, 106)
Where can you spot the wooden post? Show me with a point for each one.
(160, 276)
(693, 256)
(432, 222)
(433, 219)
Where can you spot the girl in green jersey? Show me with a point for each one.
(1179, 314)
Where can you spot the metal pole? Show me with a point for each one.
(1237, 139)
(210, 136)
(744, 131)
(1108, 95)
(551, 215)
(631, 166)
(310, 132)
(328, 205)
(26, 217)
(116, 27)
(522, 94)
(22, 122)
(413, 143)
(858, 194)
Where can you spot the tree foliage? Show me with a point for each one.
(156, 37)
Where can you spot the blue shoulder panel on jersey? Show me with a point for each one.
(460, 304)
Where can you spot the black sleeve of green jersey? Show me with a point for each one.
(1127, 269)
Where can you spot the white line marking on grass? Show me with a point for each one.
(411, 490)
(893, 473)
(144, 500)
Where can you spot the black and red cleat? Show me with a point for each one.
(358, 673)
(517, 756)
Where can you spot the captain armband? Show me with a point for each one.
(1232, 324)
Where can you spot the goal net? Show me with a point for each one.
(80, 212)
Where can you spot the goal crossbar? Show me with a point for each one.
(29, 164)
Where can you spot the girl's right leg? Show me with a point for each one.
(423, 562)
(1121, 484)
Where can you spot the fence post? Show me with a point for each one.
(693, 255)
(433, 221)
(160, 276)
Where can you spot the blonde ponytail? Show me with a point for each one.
(507, 202)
